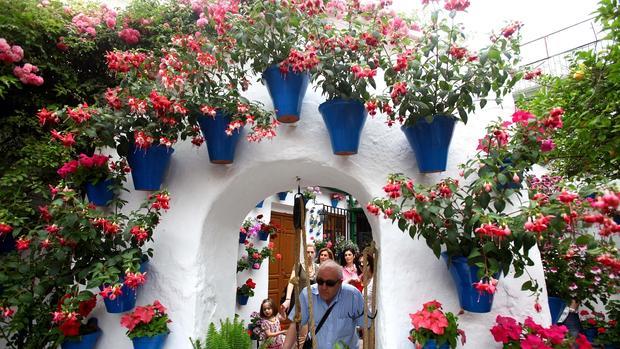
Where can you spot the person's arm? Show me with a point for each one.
(289, 293)
(291, 336)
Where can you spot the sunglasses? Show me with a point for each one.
(329, 283)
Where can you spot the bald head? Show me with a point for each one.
(330, 266)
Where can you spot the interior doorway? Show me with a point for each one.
(280, 269)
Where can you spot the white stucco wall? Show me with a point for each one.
(196, 245)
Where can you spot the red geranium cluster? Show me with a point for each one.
(144, 316)
(432, 323)
(247, 289)
(531, 335)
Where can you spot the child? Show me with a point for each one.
(270, 324)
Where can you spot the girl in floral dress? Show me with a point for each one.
(270, 324)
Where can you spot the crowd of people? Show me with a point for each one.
(337, 301)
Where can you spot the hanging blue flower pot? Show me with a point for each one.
(242, 299)
(335, 202)
(590, 334)
(156, 342)
(556, 307)
(7, 243)
(242, 237)
(282, 195)
(122, 303)
(221, 146)
(260, 204)
(87, 341)
(345, 120)
(464, 276)
(432, 344)
(263, 235)
(430, 142)
(287, 92)
(149, 166)
(100, 194)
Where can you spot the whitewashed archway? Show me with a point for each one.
(196, 245)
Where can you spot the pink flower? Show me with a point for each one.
(22, 244)
(506, 329)
(133, 280)
(130, 36)
(458, 52)
(547, 145)
(27, 74)
(456, 5)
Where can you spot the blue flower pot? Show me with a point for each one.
(590, 334)
(87, 341)
(464, 276)
(431, 141)
(221, 146)
(263, 235)
(335, 202)
(149, 166)
(556, 307)
(287, 92)
(282, 195)
(156, 342)
(124, 302)
(345, 120)
(7, 243)
(260, 204)
(242, 237)
(100, 194)
(432, 344)
(242, 300)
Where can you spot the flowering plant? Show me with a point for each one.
(146, 321)
(469, 220)
(430, 72)
(431, 323)
(247, 289)
(310, 193)
(348, 54)
(71, 313)
(592, 319)
(337, 196)
(578, 264)
(253, 257)
(250, 227)
(609, 333)
(529, 334)
(254, 327)
(276, 32)
(93, 169)
(271, 229)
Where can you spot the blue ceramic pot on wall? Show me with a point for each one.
(556, 307)
(335, 202)
(149, 166)
(287, 92)
(242, 237)
(464, 276)
(431, 141)
(100, 194)
(432, 344)
(124, 302)
(263, 235)
(156, 342)
(345, 119)
(282, 195)
(87, 341)
(221, 147)
(242, 300)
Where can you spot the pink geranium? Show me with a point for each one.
(151, 319)
(531, 335)
(432, 323)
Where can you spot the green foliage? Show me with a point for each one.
(231, 335)
(589, 142)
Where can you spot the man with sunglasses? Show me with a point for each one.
(347, 312)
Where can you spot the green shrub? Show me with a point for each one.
(231, 335)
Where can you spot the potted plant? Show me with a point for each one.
(570, 252)
(268, 230)
(212, 84)
(433, 80)
(245, 291)
(530, 334)
(336, 198)
(100, 178)
(71, 319)
(273, 38)
(254, 258)
(592, 323)
(282, 195)
(435, 329)
(469, 222)
(609, 333)
(348, 56)
(147, 326)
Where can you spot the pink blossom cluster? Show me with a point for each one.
(512, 28)
(310, 7)
(84, 161)
(23, 243)
(493, 230)
(259, 132)
(46, 116)
(431, 317)
(80, 114)
(6, 312)
(300, 61)
(486, 285)
(530, 75)
(122, 61)
(218, 10)
(134, 280)
(162, 201)
(28, 74)
(130, 36)
(531, 335)
(67, 139)
(538, 225)
(496, 139)
(108, 227)
(85, 24)
(5, 229)
(111, 292)
(10, 54)
(143, 315)
(109, 16)
(139, 233)
(365, 72)
(456, 5)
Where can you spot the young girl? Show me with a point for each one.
(270, 324)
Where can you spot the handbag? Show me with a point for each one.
(308, 342)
